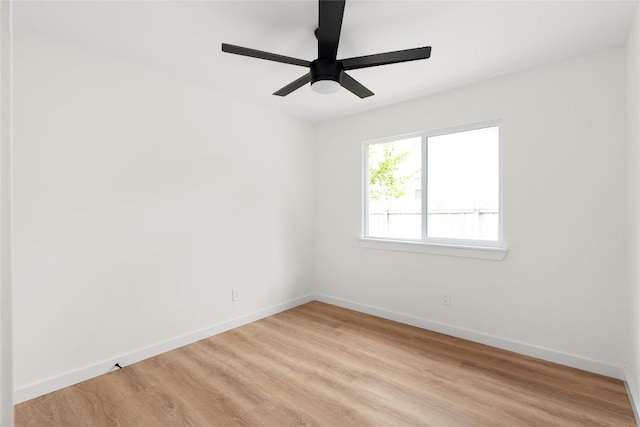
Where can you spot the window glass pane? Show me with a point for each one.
(395, 189)
(463, 185)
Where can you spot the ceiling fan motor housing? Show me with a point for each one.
(325, 69)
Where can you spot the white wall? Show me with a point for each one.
(562, 284)
(633, 195)
(140, 202)
(6, 329)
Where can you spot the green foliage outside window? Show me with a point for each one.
(385, 182)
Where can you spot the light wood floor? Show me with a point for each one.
(322, 365)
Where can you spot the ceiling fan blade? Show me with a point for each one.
(329, 26)
(386, 58)
(354, 86)
(297, 84)
(253, 53)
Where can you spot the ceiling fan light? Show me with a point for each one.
(325, 86)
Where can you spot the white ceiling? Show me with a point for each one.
(471, 41)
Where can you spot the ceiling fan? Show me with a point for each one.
(327, 73)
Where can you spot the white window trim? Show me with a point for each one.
(496, 253)
(481, 249)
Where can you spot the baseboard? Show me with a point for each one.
(479, 337)
(73, 377)
(47, 386)
(629, 385)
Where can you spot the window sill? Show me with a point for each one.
(477, 252)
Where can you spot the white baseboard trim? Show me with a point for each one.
(73, 377)
(629, 385)
(479, 337)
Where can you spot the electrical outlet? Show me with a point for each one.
(235, 295)
(445, 298)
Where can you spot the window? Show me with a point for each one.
(439, 188)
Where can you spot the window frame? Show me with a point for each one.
(417, 245)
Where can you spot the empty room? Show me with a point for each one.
(319, 213)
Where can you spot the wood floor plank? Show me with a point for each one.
(321, 365)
